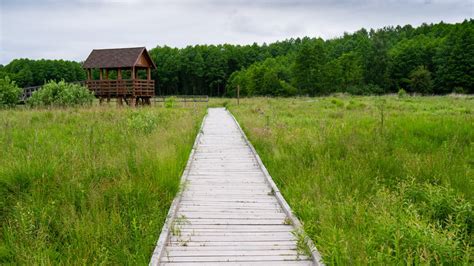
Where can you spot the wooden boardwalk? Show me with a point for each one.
(229, 210)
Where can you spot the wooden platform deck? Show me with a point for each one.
(229, 210)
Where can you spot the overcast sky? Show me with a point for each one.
(70, 29)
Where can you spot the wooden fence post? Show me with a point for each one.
(238, 94)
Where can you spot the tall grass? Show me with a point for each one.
(375, 180)
(89, 186)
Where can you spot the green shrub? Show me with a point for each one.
(402, 93)
(170, 102)
(61, 94)
(142, 122)
(9, 92)
(286, 89)
(337, 102)
(420, 80)
(459, 90)
(225, 104)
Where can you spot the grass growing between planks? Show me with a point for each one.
(375, 180)
(89, 186)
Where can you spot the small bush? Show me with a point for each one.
(286, 89)
(402, 93)
(9, 92)
(142, 122)
(61, 94)
(420, 80)
(170, 102)
(225, 104)
(459, 90)
(337, 102)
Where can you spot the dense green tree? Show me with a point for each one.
(376, 59)
(420, 80)
(308, 70)
(351, 68)
(407, 55)
(455, 60)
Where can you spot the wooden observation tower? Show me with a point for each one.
(124, 73)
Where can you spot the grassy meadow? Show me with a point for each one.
(375, 180)
(89, 185)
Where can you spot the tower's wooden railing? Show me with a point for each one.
(122, 88)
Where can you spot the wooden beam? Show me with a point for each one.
(100, 73)
(148, 73)
(133, 73)
(119, 73)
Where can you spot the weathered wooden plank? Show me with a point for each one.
(228, 188)
(245, 205)
(275, 235)
(234, 244)
(232, 228)
(220, 253)
(243, 194)
(230, 199)
(205, 211)
(234, 258)
(251, 263)
(213, 209)
(204, 238)
(231, 215)
(231, 248)
(237, 221)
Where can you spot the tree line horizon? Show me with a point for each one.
(428, 59)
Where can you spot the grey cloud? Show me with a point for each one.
(70, 29)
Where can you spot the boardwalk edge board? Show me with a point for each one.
(316, 256)
(165, 231)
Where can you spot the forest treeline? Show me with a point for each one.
(27, 72)
(429, 59)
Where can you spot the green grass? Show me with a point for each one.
(89, 186)
(375, 180)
